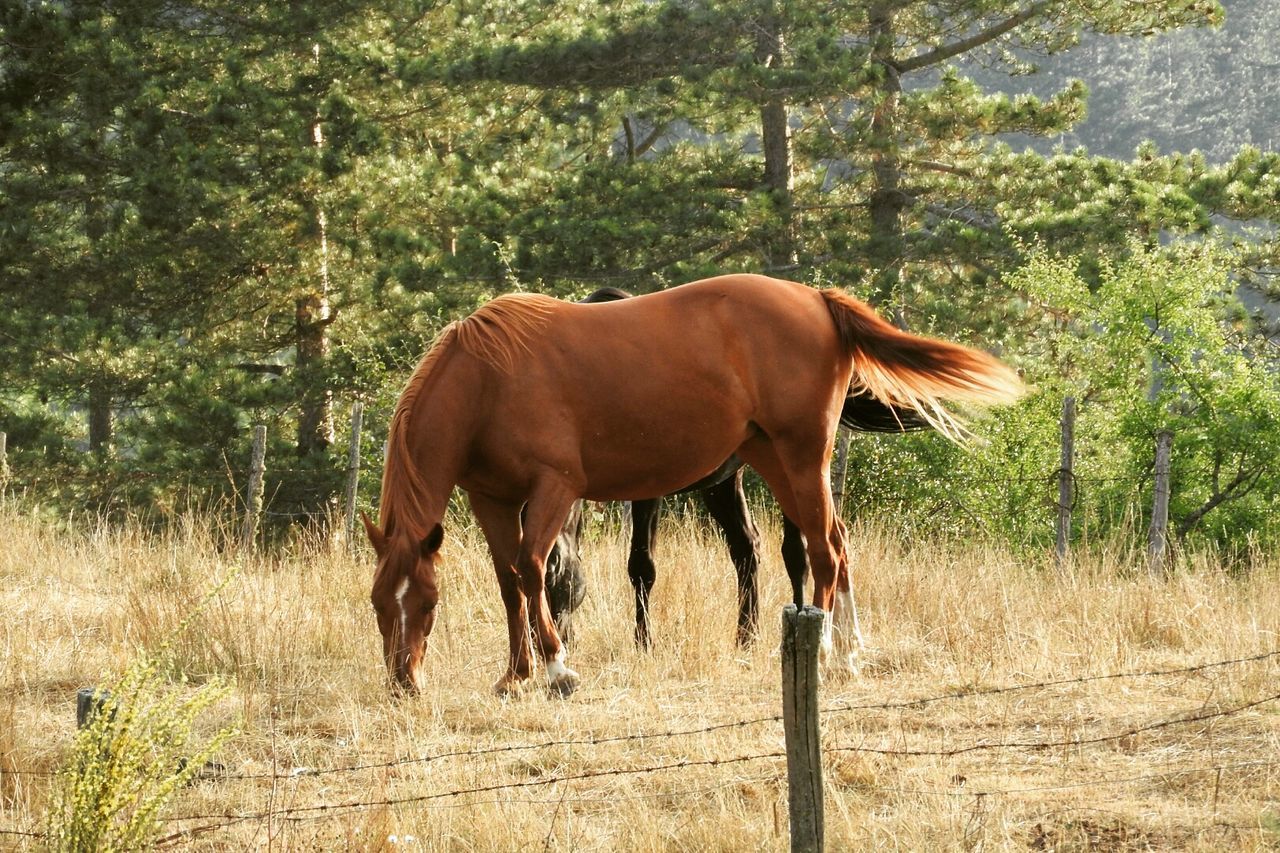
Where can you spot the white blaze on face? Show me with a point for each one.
(400, 591)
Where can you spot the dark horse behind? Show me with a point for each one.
(726, 502)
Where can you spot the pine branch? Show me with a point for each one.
(946, 51)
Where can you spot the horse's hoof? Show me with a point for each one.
(565, 683)
(508, 685)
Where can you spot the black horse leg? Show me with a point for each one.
(794, 558)
(727, 504)
(640, 568)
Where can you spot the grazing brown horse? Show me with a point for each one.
(531, 403)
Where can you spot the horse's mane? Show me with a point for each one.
(498, 332)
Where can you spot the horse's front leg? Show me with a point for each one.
(545, 514)
(501, 526)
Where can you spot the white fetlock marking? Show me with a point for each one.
(848, 630)
(556, 670)
(828, 625)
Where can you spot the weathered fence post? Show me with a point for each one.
(1066, 481)
(801, 637)
(4, 457)
(353, 471)
(253, 494)
(1158, 537)
(89, 701)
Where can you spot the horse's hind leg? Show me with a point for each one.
(727, 504)
(501, 526)
(640, 566)
(794, 558)
(545, 514)
(796, 472)
(848, 633)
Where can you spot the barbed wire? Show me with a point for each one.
(325, 812)
(345, 808)
(493, 750)
(910, 704)
(1051, 744)
(341, 809)
(906, 704)
(1041, 685)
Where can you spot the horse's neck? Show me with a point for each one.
(433, 451)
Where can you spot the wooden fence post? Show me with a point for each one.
(1066, 481)
(801, 637)
(1158, 537)
(4, 456)
(89, 701)
(253, 495)
(353, 470)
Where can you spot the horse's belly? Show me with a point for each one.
(635, 465)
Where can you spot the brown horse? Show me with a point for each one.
(531, 403)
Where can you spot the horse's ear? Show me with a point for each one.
(431, 543)
(376, 537)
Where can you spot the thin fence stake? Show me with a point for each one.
(841, 469)
(1158, 537)
(4, 457)
(353, 471)
(253, 495)
(1066, 482)
(801, 637)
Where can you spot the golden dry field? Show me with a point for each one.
(1175, 755)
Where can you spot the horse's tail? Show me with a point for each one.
(916, 374)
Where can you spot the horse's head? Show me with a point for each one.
(405, 595)
(566, 587)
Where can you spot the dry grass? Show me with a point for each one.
(295, 636)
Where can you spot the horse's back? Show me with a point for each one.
(641, 397)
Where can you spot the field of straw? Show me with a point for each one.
(1174, 755)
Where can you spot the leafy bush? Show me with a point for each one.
(138, 747)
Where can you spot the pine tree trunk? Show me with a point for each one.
(313, 315)
(885, 246)
(315, 422)
(100, 422)
(775, 135)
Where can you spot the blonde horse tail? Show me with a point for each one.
(916, 373)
